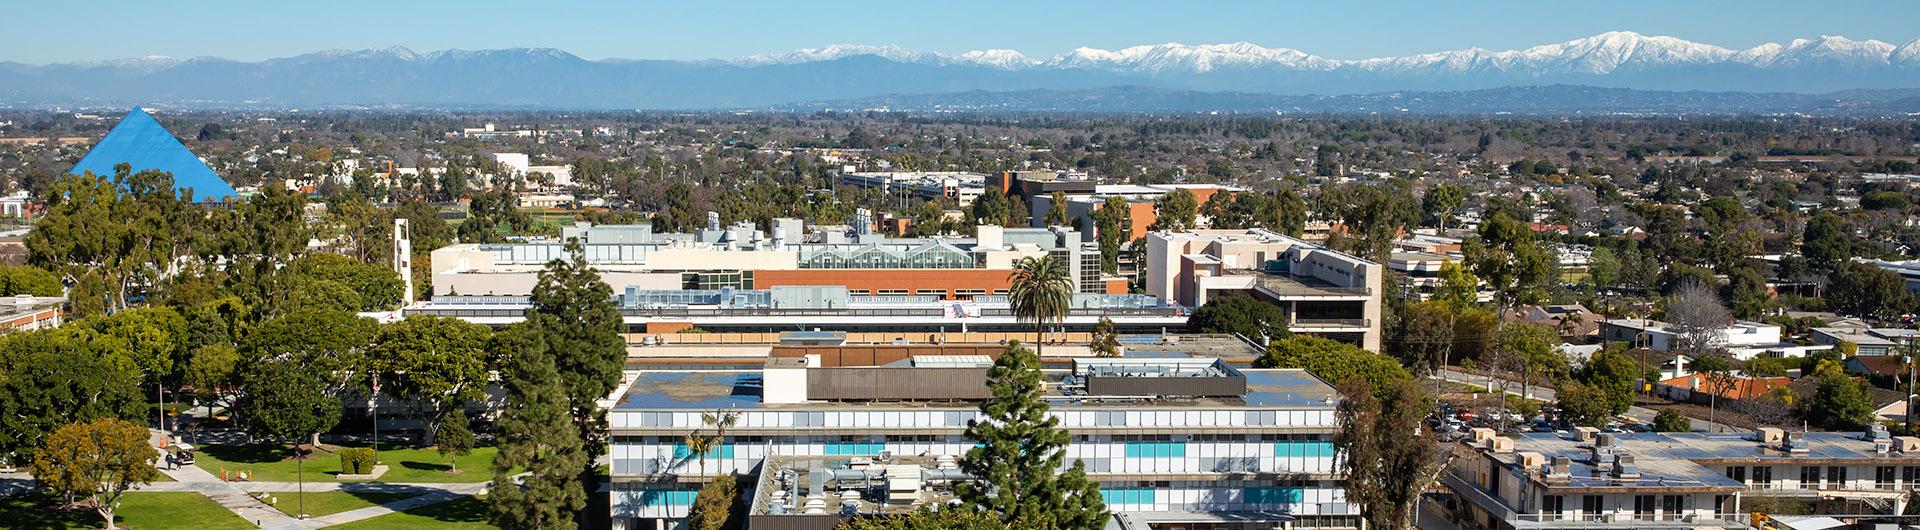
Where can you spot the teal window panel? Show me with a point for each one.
(681, 451)
(1127, 495)
(1155, 449)
(1273, 495)
(667, 497)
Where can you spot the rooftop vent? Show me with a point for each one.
(1769, 435)
(1877, 433)
(1906, 444)
(1797, 443)
(1584, 434)
(1561, 467)
(1604, 439)
(1626, 468)
(1500, 444)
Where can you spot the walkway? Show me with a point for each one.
(238, 496)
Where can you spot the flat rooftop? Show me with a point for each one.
(709, 390)
(1286, 285)
(1677, 460)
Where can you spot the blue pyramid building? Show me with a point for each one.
(142, 143)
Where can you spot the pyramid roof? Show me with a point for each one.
(139, 141)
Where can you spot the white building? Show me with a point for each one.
(1323, 292)
(1742, 339)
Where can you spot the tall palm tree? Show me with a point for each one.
(700, 444)
(1041, 291)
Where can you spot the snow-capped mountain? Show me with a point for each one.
(551, 78)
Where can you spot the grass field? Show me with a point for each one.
(462, 513)
(138, 511)
(269, 463)
(320, 503)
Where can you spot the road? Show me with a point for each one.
(1640, 414)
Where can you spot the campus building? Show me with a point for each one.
(1323, 292)
(1590, 480)
(1174, 441)
(744, 257)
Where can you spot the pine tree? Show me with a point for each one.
(575, 318)
(538, 435)
(1021, 450)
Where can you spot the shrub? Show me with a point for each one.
(356, 461)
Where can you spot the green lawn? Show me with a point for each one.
(269, 463)
(138, 511)
(320, 503)
(465, 512)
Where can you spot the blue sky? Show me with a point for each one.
(42, 32)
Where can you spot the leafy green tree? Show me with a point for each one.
(1057, 209)
(992, 208)
(283, 401)
(1019, 452)
(1457, 286)
(378, 287)
(576, 320)
(1529, 349)
(29, 280)
(1827, 241)
(213, 371)
(59, 376)
(1839, 402)
(1613, 375)
(1106, 339)
(1440, 202)
(928, 219)
(1670, 420)
(1332, 360)
(1175, 211)
(329, 344)
(713, 506)
(1113, 223)
(538, 434)
(101, 459)
(1240, 314)
(440, 362)
(1370, 215)
(1040, 290)
(454, 439)
(1508, 258)
(1386, 453)
(1423, 336)
(1865, 290)
(153, 338)
(1585, 404)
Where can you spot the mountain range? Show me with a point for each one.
(553, 79)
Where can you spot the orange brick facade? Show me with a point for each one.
(948, 283)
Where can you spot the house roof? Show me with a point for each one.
(1879, 364)
(140, 142)
(1740, 387)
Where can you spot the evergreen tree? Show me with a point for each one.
(1021, 448)
(575, 320)
(538, 435)
(454, 438)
